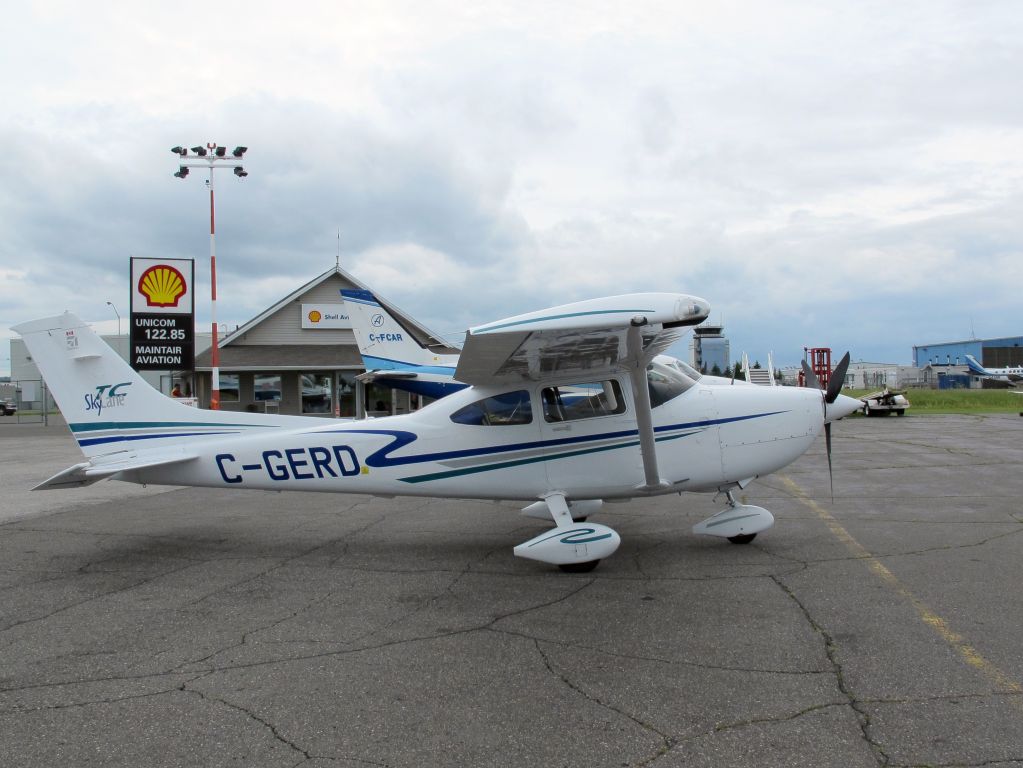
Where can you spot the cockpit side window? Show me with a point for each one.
(665, 382)
(582, 401)
(508, 409)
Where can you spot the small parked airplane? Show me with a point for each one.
(392, 355)
(632, 427)
(1012, 373)
(394, 358)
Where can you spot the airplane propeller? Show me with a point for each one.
(835, 382)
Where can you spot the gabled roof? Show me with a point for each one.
(421, 332)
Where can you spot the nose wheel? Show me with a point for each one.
(739, 523)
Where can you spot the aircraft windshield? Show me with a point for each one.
(666, 382)
(687, 369)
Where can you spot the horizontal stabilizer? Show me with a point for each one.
(369, 376)
(87, 473)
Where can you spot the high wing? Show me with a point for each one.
(589, 339)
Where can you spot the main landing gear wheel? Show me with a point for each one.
(586, 567)
(742, 538)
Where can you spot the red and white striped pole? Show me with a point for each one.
(214, 349)
(212, 157)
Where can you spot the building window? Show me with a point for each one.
(266, 387)
(316, 393)
(346, 388)
(229, 387)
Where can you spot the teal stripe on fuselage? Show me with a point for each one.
(121, 425)
(533, 460)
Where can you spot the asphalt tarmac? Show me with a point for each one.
(182, 627)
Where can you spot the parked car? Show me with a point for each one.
(8, 407)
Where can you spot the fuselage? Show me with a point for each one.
(707, 437)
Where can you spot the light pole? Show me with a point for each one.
(118, 316)
(211, 156)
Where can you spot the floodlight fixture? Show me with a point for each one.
(201, 151)
(179, 151)
(182, 172)
(240, 172)
(220, 151)
(239, 151)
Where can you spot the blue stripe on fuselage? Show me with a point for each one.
(382, 457)
(389, 364)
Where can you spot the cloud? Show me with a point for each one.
(843, 174)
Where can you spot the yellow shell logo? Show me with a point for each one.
(315, 316)
(162, 286)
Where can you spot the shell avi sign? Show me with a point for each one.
(162, 325)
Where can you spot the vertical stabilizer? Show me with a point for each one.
(385, 344)
(109, 406)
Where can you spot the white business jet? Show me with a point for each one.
(1011, 373)
(644, 429)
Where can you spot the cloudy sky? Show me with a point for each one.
(843, 174)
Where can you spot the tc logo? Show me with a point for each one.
(377, 320)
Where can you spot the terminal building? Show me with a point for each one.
(298, 356)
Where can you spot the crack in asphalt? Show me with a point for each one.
(18, 709)
(665, 739)
(660, 659)
(252, 715)
(831, 651)
(93, 598)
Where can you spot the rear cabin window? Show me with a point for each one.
(509, 409)
(582, 401)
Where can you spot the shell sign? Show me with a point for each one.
(162, 286)
(325, 316)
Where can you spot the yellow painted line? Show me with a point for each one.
(969, 654)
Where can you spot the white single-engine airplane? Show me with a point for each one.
(644, 428)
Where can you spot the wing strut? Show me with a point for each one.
(641, 397)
